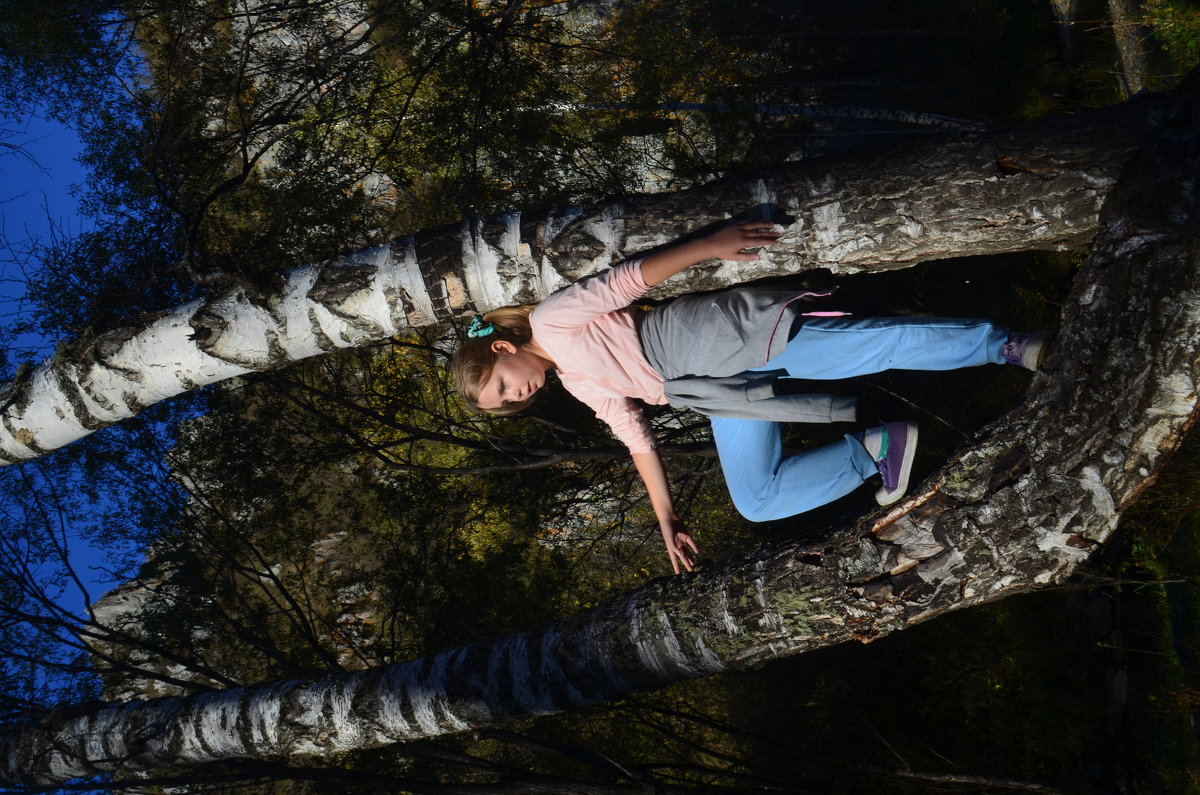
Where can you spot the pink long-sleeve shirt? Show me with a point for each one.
(590, 334)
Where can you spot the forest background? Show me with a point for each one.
(348, 511)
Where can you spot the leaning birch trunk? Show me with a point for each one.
(1021, 508)
(1035, 186)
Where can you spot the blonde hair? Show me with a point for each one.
(473, 361)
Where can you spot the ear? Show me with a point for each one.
(503, 346)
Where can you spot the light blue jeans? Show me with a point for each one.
(765, 485)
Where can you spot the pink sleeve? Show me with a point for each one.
(627, 421)
(587, 299)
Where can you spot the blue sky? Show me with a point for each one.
(36, 197)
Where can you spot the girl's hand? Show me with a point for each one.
(726, 243)
(681, 549)
(729, 242)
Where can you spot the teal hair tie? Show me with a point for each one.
(479, 328)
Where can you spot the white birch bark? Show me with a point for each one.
(1037, 185)
(1021, 508)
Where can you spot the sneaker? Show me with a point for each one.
(1025, 349)
(892, 447)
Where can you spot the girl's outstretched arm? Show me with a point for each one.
(681, 549)
(726, 243)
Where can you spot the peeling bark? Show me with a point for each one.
(1021, 508)
(1037, 185)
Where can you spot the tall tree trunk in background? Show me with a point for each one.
(1133, 44)
(1037, 185)
(1063, 12)
(1021, 508)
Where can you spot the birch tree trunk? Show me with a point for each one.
(1021, 508)
(1037, 185)
(1133, 41)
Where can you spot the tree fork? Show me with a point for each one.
(1034, 185)
(1021, 508)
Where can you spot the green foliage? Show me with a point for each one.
(1176, 23)
(55, 53)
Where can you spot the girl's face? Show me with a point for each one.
(517, 374)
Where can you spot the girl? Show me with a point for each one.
(722, 354)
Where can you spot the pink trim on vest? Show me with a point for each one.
(782, 309)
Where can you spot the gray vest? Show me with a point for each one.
(703, 346)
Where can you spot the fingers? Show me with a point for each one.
(678, 556)
(688, 562)
(673, 553)
(752, 234)
(678, 551)
(688, 558)
(762, 229)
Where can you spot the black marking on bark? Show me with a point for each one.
(403, 692)
(243, 722)
(367, 700)
(289, 705)
(335, 284)
(545, 688)
(110, 342)
(273, 305)
(132, 402)
(17, 392)
(207, 328)
(200, 334)
(493, 229)
(440, 253)
(324, 342)
(531, 228)
(131, 374)
(576, 243)
(506, 678)
(98, 396)
(277, 356)
(359, 323)
(438, 299)
(22, 436)
(73, 393)
(400, 306)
